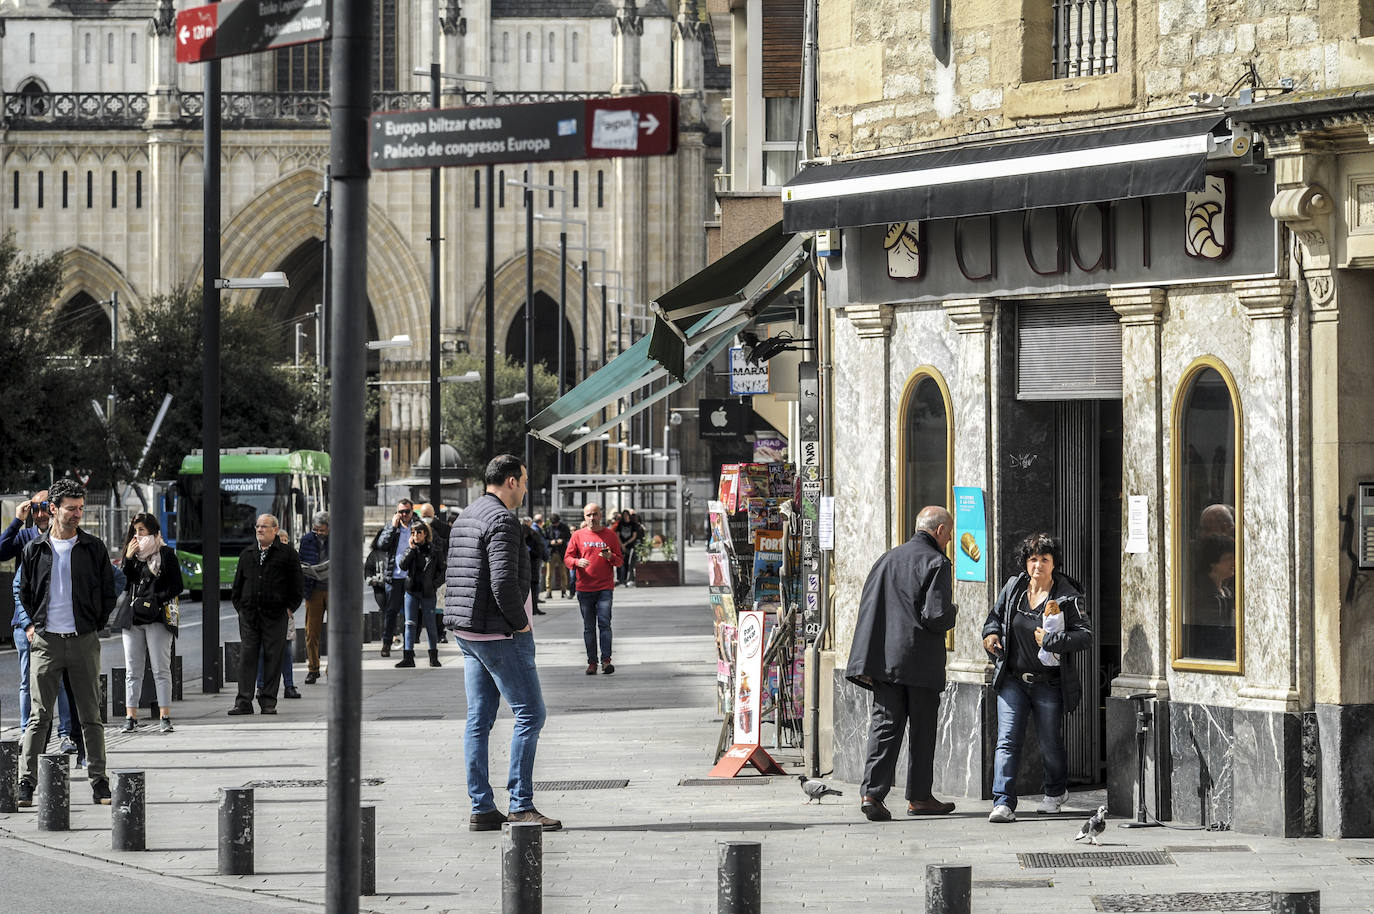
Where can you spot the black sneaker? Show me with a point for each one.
(165, 725)
(26, 793)
(311, 678)
(100, 792)
(130, 725)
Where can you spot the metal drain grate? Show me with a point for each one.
(1364, 860)
(308, 782)
(612, 784)
(1013, 883)
(1209, 849)
(411, 717)
(726, 782)
(1100, 858)
(1185, 901)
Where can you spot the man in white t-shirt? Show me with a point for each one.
(67, 585)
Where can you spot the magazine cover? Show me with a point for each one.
(718, 572)
(728, 492)
(753, 482)
(720, 540)
(763, 514)
(768, 553)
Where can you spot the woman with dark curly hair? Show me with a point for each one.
(1014, 635)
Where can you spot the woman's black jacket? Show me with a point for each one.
(424, 568)
(1076, 636)
(159, 589)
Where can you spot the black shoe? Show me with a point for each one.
(478, 821)
(271, 710)
(434, 658)
(236, 710)
(540, 612)
(100, 792)
(386, 650)
(407, 660)
(25, 799)
(311, 678)
(130, 725)
(291, 692)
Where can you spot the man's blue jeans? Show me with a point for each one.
(493, 670)
(64, 710)
(596, 614)
(1016, 702)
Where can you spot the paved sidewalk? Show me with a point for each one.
(646, 847)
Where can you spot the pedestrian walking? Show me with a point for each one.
(556, 573)
(315, 568)
(423, 564)
(268, 584)
(438, 525)
(152, 581)
(68, 591)
(539, 554)
(630, 532)
(1018, 629)
(393, 540)
(898, 654)
(487, 605)
(594, 551)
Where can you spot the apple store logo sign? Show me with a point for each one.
(722, 418)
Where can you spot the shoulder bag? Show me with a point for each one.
(171, 616)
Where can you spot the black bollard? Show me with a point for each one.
(738, 883)
(176, 675)
(104, 697)
(1296, 903)
(128, 825)
(522, 868)
(54, 792)
(368, 871)
(948, 887)
(117, 692)
(148, 692)
(9, 775)
(236, 831)
(231, 661)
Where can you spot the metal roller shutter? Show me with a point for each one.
(1068, 351)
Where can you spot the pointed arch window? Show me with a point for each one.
(1207, 630)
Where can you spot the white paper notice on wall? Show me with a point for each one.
(827, 523)
(1137, 524)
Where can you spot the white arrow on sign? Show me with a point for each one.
(650, 124)
(184, 35)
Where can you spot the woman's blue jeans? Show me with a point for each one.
(1016, 702)
(420, 611)
(493, 670)
(596, 614)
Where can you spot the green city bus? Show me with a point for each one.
(292, 485)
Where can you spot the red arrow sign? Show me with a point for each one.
(195, 28)
(636, 125)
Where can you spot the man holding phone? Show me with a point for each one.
(594, 553)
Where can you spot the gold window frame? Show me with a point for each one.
(906, 525)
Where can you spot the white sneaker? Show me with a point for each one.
(1050, 806)
(1002, 814)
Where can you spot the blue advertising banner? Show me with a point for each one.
(970, 535)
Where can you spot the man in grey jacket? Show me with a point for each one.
(487, 605)
(899, 655)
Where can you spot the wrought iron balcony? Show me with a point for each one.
(75, 109)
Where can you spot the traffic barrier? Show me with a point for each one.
(54, 792)
(738, 879)
(368, 871)
(236, 831)
(948, 888)
(522, 868)
(128, 823)
(9, 775)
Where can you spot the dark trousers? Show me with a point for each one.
(898, 707)
(395, 609)
(265, 633)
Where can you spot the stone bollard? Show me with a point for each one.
(1296, 903)
(236, 831)
(948, 887)
(128, 824)
(54, 792)
(738, 880)
(367, 881)
(117, 693)
(231, 661)
(522, 868)
(9, 775)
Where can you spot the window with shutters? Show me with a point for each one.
(1207, 633)
(781, 81)
(1068, 351)
(925, 449)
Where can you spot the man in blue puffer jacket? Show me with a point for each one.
(487, 605)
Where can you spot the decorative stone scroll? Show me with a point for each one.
(1137, 307)
(1307, 211)
(971, 315)
(870, 322)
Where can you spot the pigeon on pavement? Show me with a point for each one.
(1096, 825)
(817, 789)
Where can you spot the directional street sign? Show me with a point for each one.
(237, 27)
(631, 125)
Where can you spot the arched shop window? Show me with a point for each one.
(1207, 531)
(925, 452)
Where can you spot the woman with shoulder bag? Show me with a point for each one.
(423, 564)
(152, 581)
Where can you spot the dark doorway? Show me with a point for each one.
(86, 322)
(545, 339)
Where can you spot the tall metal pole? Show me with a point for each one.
(529, 341)
(435, 408)
(209, 409)
(350, 103)
(490, 316)
(604, 450)
(328, 271)
(563, 316)
(110, 524)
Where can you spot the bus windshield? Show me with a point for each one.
(243, 498)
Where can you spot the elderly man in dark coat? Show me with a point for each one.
(899, 654)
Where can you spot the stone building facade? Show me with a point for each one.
(1128, 316)
(102, 159)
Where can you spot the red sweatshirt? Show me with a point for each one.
(587, 543)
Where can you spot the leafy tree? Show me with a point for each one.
(464, 414)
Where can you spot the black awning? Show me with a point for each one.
(1142, 160)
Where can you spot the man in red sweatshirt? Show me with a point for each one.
(594, 552)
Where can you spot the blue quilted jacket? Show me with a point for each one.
(488, 574)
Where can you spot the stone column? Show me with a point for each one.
(453, 26)
(627, 28)
(688, 167)
(164, 103)
(968, 726)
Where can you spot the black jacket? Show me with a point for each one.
(161, 588)
(424, 568)
(905, 609)
(1076, 636)
(488, 570)
(271, 587)
(93, 587)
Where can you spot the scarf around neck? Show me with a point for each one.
(149, 551)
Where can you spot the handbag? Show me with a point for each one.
(123, 612)
(171, 616)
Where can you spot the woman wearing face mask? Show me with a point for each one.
(152, 580)
(423, 564)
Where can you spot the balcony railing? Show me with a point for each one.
(275, 110)
(1084, 38)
